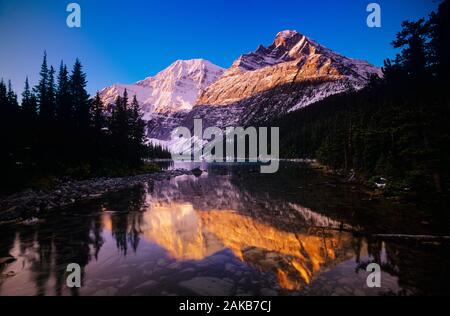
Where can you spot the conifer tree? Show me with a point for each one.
(4, 115)
(3, 94)
(29, 106)
(4, 148)
(413, 40)
(97, 115)
(64, 105)
(440, 42)
(99, 141)
(12, 97)
(125, 100)
(41, 90)
(79, 95)
(119, 126)
(51, 94)
(137, 131)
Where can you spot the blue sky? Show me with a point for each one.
(125, 41)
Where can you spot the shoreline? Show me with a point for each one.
(34, 203)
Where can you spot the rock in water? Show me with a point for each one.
(206, 286)
(197, 172)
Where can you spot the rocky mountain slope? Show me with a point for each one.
(291, 58)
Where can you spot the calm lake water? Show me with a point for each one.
(230, 231)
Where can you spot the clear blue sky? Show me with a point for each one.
(125, 41)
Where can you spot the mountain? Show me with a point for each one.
(175, 89)
(289, 74)
(291, 58)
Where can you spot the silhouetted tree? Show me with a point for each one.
(439, 26)
(119, 126)
(413, 40)
(79, 95)
(136, 132)
(97, 115)
(64, 105)
(41, 91)
(29, 104)
(12, 98)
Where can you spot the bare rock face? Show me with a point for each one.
(291, 58)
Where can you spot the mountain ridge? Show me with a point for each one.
(292, 57)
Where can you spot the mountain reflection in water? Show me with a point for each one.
(188, 234)
(227, 232)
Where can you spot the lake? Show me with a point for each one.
(230, 231)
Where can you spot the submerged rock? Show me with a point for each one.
(197, 172)
(208, 286)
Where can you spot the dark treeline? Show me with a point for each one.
(398, 127)
(57, 130)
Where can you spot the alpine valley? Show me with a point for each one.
(292, 73)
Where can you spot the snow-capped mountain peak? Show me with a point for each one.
(174, 89)
(287, 38)
(202, 71)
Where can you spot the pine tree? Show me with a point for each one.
(3, 106)
(3, 94)
(119, 127)
(125, 100)
(4, 147)
(64, 105)
(413, 39)
(41, 90)
(29, 106)
(51, 94)
(119, 119)
(440, 43)
(12, 98)
(79, 95)
(137, 131)
(97, 115)
(100, 144)
(9, 136)
(26, 94)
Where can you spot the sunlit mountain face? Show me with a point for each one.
(222, 233)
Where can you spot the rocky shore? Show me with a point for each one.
(35, 203)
